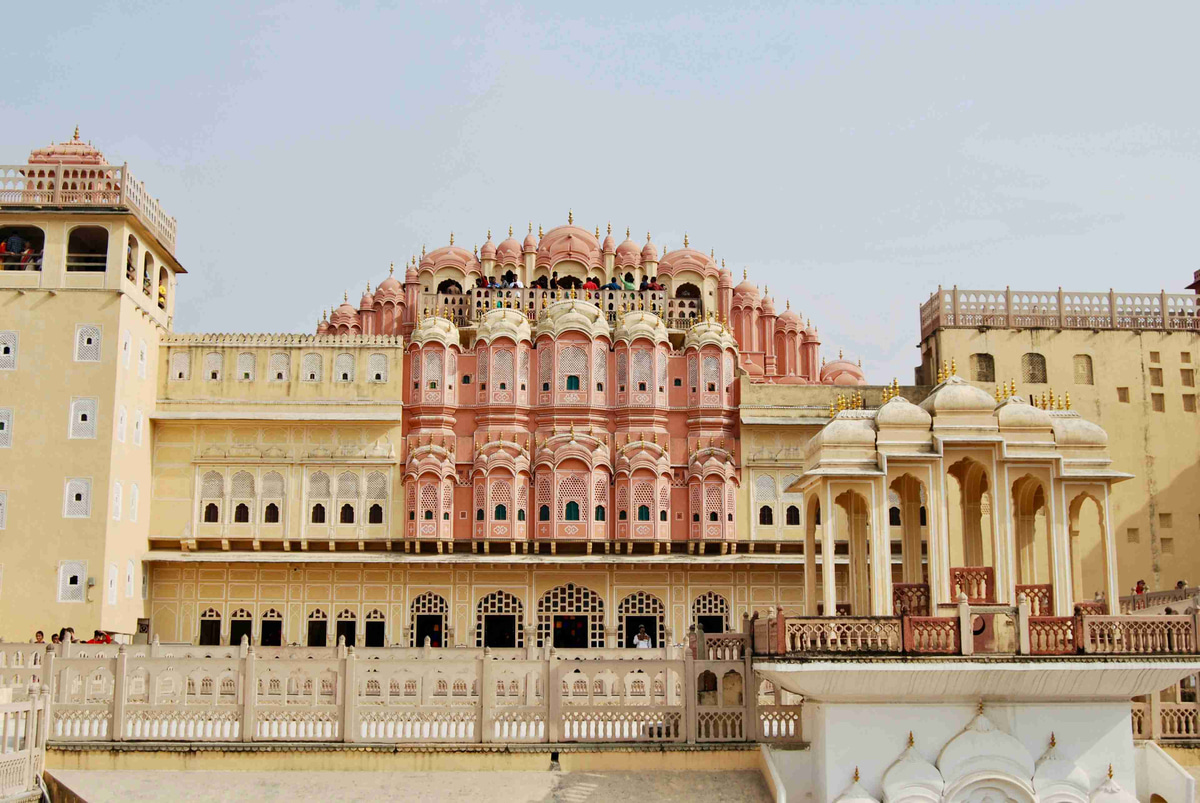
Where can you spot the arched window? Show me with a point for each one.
(87, 249)
(766, 515)
(271, 514)
(662, 515)
(1033, 368)
(241, 513)
(428, 515)
(501, 513)
(521, 514)
(643, 513)
(544, 513)
(1083, 370)
(211, 514)
(375, 514)
(572, 382)
(347, 515)
(793, 516)
(599, 513)
(478, 514)
(893, 517)
(571, 512)
(318, 514)
(622, 515)
(162, 288)
(983, 368)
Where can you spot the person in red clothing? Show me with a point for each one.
(590, 285)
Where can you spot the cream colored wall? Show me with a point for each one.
(179, 592)
(1159, 448)
(185, 450)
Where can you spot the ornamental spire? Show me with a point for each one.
(570, 217)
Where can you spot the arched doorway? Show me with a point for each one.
(1089, 557)
(853, 529)
(571, 617)
(640, 609)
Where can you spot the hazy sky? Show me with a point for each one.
(852, 156)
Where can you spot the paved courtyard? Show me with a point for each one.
(111, 786)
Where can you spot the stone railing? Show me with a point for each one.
(109, 186)
(1153, 599)
(23, 731)
(705, 692)
(1041, 598)
(992, 629)
(911, 598)
(977, 582)
(1058, 309)
(466, 308)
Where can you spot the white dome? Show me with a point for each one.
(900, 412)
(1109, 791)
(707, 331)
(1057, 778)
(1071, 429)
(641, 324)
(436, 329)
(912, 778)
(958, 395)
(984, 747)
(1016, 413)
(497, 323)
(855, 793)
(572, 315)
(848, 428)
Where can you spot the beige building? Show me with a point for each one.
(1128, 363)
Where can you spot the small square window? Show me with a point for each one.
(1168, 546)
(1157, 403)
(1154, 357)
(466, 380)
(678, 382)
(1165, 521)
(1188, 377)
(1156, 377)
(1123, 395)
(1133, 535)
(1189, 402)
(1185, 356)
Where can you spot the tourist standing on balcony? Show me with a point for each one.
(39, 637)
(612, 284)
(590, 284)
(1140, 588)
(29, 258)
(518, 285)
(629, 285)
(554, 280)
(642, 640)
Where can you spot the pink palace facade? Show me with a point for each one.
(594, 414)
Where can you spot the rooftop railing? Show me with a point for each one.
(111, 186)
(954, 308)
(467, 307)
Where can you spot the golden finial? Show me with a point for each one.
(910, 739)
(1012, 387)
(610, 227)
(745, 274)
(572, 430)
(953, 367)
(597, 232)
(860, 362)
(489, 235)
(476, 249)
(76, 133)
(531, 227)
(626, 232)
(647, 236)
(422, 252)
(789, 303)
(856, 774)
(543, 302)
(451, 238)
(345, 296)
(570, 217)
(685, 240)
(1110, 772)
(539, 231)
(368, 288)
(1067, 400)
(980, 708)
(391, 268)
(997, 393)
(839, 354)
(1053, 741)
(510, 230)
(1045, 400)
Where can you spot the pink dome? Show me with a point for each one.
(568, 242)
(649, 250)
(747, 291)
(629, 252)
(789, 319)
(609, 244)
(688, 258)
(389, 286)
(488, 249)
(74, 152)
(368, 300)
(344, 314)
(842, 372)
(530, 241)
(768, 305)
(509, 250)
(449, 256)
(811, 333)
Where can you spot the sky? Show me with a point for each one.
(851, 156)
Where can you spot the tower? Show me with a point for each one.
(87, 286)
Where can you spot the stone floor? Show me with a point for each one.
(103, 786)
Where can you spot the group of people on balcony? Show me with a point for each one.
(553, 282)
(17, 253)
